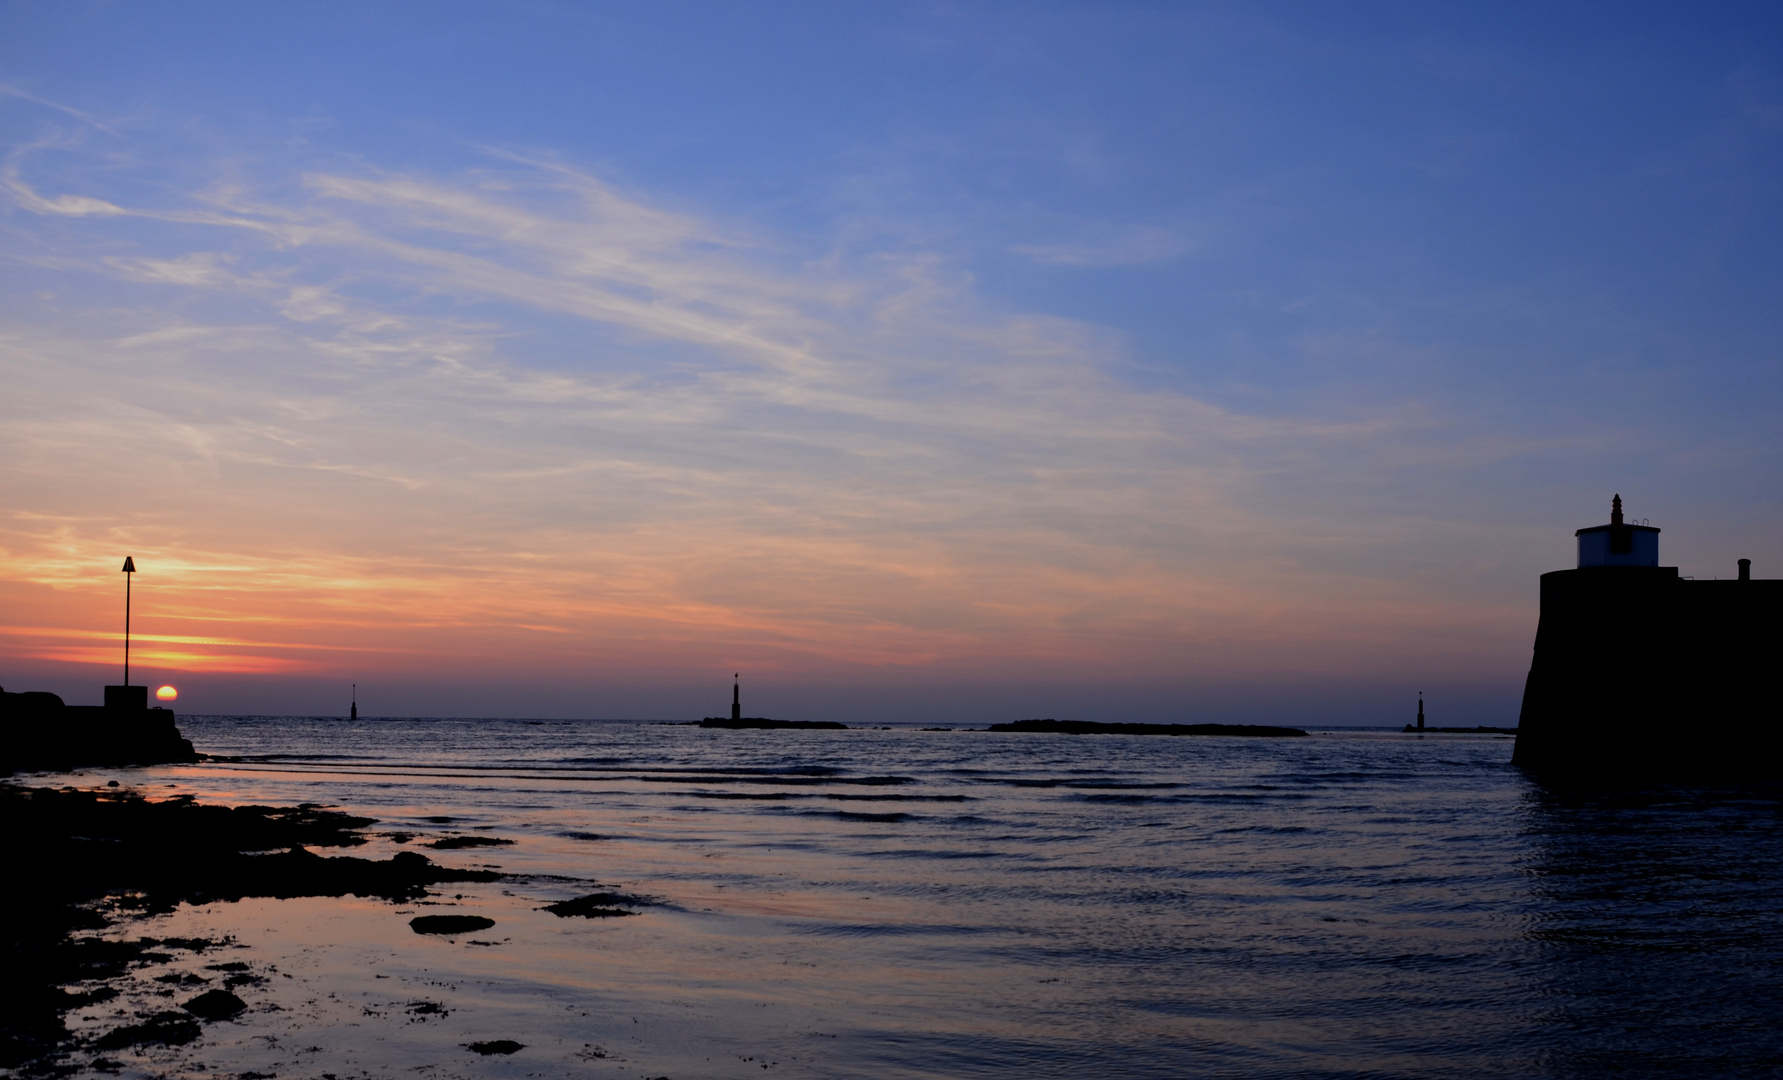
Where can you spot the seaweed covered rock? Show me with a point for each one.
(215, 1005)
(450, 924)
(604, 905)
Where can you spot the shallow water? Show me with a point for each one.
(902, 903)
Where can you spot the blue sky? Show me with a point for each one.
(1240, 357)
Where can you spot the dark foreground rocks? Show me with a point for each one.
(604, 905)
(166, 1028)
(449, 924)
(72, 849)
(495, 1046)
(1090, 727)
(452, 843)
(215, 1005)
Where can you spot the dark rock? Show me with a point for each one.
(195, 944)
(451, 843)
(449, 924)
(170, 1028)
(498, 1046)
(215, 1005)
(80, 1000)
(594, 906)
(1090, 727)
(75, 847)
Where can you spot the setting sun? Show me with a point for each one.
(167, 693)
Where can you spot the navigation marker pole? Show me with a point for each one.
(129, 568)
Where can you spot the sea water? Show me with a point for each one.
(910, 903)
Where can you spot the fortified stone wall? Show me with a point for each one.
(1640, 673)
(38, 732)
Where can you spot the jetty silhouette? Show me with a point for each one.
(39, 731)
(737, 721)
(1641, 674)
(1418, 728)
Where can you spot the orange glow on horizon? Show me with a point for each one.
(981, 619)
(167, 693)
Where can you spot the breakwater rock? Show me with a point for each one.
(38, 731)
(1090, 727)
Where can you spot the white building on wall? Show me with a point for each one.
(1617, 544)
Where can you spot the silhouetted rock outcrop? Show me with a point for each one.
(39, 732)
(593, 906)
(450, 924)
(215, 1005)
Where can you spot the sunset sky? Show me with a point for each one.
(954, 363)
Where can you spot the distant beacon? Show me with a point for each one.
(1640, 673)
(1617, 544)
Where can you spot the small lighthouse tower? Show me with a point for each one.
(1618, 543)
(736, 697)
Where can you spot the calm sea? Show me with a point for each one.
(904, 903)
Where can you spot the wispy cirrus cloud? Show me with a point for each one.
(8, 90)
(398, 408)
(1130, 246)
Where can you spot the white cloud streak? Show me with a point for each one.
(588, 411)
(1128, 247)
(7, 90)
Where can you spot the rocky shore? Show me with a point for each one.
(83, 859)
